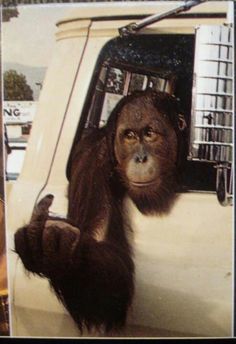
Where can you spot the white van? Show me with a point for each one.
(184, 261)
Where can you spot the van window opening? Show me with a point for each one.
(162, 62)
(152, 57)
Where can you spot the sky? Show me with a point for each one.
(29, 38)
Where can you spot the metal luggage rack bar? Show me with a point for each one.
(215, 93)
(228, 44)
(211, 138)
(213, 143)
(215, 77)
(209, 126)
(213, 110)
(133, 28)
(217, 60)
(210, 162)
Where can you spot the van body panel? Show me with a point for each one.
(130, 9)
(94, 46)
(183, 274)
(187, 255)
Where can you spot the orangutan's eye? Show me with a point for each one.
(130, 135)
(150, 134)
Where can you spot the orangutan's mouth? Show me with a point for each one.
(143, 184)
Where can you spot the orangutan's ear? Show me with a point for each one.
(182, 125)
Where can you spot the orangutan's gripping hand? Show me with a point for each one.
(46, 245)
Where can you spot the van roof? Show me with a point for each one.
(131, 9)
